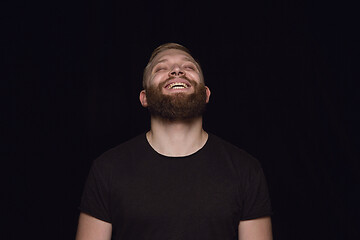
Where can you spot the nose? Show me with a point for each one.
(176, 71)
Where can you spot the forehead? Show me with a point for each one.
(172, 54)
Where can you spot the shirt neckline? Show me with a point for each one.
(198, 152)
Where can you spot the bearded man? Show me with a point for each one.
(176, 181)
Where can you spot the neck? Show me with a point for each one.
(176, 138)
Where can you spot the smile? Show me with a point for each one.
(177, 85)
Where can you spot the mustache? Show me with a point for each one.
(183, 77)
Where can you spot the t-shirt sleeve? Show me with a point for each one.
(95, 198)
(256, 200)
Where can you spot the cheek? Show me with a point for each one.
(153, 80)
(157, 80)
(195, 76)
(158, 77)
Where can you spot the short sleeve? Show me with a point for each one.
(256, 200)
(95, 199)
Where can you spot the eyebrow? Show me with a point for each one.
(166, 60)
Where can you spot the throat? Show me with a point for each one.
(180, 145)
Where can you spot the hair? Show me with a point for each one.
(160, 49)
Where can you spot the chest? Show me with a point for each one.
(170, 193)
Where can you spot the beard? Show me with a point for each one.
(176, 106)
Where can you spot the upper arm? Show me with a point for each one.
(255, 229)
(91, 228)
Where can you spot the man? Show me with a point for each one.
(176, 181)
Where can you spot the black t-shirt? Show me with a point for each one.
(146, 195)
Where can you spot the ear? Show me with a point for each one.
(143, 99)
(208, 93)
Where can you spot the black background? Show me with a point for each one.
(283, 80)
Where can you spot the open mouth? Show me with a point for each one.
(177, 85)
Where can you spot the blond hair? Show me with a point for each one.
(160, 49)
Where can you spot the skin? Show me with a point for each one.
(255, 229)
(175, 138)
(90, 228)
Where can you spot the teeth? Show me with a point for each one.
(177, 86)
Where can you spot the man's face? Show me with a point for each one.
(174, 68)
(175, 88)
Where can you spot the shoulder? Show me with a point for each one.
(120, 153)
(239, 157)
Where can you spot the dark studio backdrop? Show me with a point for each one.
(283, 80)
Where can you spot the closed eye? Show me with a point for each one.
(160, 68)
(191, 67)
